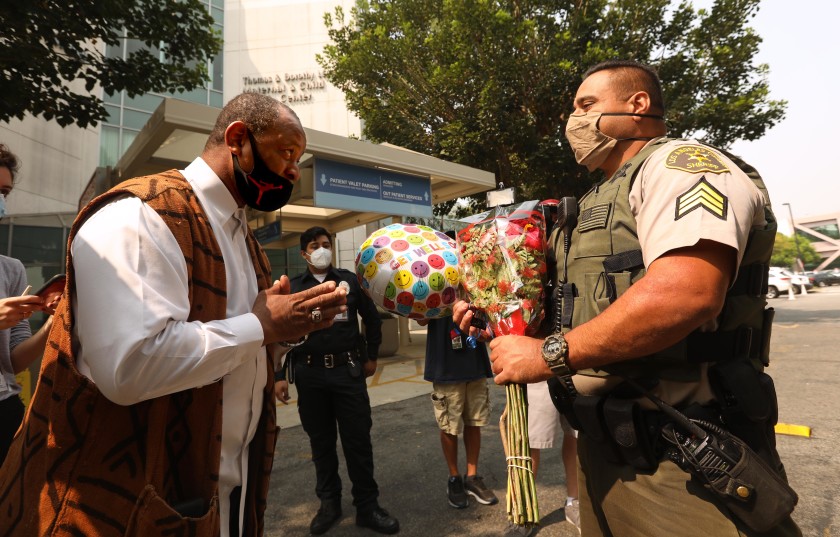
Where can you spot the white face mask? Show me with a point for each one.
(321, 258)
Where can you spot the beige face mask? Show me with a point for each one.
(591, 146)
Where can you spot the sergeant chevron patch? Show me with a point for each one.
(702, 196)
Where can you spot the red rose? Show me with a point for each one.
(505, 287)
(513, 230)
(534, 239)
(494, 308)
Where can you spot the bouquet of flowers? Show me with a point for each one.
(503, 270)
(503, 267)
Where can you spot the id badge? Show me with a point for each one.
(456, 339)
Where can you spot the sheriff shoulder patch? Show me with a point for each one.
(702, 196)
(695, 159)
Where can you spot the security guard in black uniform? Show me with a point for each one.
(329, 370)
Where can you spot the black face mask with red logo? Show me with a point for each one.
(262, 189)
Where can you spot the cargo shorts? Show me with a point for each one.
(461, 404)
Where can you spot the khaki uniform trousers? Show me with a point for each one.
(617, 501)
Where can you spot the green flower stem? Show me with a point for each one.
(522, 506)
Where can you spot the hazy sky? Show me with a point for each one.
(796, 158)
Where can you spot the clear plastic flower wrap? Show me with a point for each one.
(503, 267)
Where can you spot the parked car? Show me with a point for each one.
(807, 278)
(780, 281)
(822, 279)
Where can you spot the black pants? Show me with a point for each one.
(11, 414)
(327, 397)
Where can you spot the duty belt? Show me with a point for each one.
(329, 361)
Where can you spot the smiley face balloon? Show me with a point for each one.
(410, 270)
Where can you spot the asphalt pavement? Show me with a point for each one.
(412, 474)
(805, 363)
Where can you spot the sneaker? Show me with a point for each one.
(514, 530)
(572, 511)
(477, 489)
(456, 493)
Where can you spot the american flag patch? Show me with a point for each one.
(594, 217)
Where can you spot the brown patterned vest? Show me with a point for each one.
(82, 465)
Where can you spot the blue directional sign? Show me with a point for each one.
(357, 188)
(268, 233)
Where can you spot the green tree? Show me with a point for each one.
(51, 53)
(489, 83)
(785, 252)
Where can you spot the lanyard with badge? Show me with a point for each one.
(456, 338)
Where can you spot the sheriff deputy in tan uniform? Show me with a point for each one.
(662, 283)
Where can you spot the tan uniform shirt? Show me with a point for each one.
(685, 193)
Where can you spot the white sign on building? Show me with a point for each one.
(270, 48)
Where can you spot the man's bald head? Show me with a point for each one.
(260, 113)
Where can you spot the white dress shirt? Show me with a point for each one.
(131, 306)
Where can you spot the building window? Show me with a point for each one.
(127, 116)
(109, 146)
(829, 230)
(216, 70)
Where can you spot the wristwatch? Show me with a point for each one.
(555, 352)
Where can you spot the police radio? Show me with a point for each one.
(702, 454)
(746, 485)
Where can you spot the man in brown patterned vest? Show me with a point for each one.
(154, 412)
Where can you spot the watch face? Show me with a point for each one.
(555, 352)
(553, 347)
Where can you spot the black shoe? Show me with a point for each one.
(456, 493)
(327, 515)
(476, 488)
(379, 521)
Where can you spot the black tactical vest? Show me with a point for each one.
(604, 259)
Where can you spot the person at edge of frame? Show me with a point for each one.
(329, 371)
(154, 411)
(458, 367)
(658, 277)
(19, 347)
